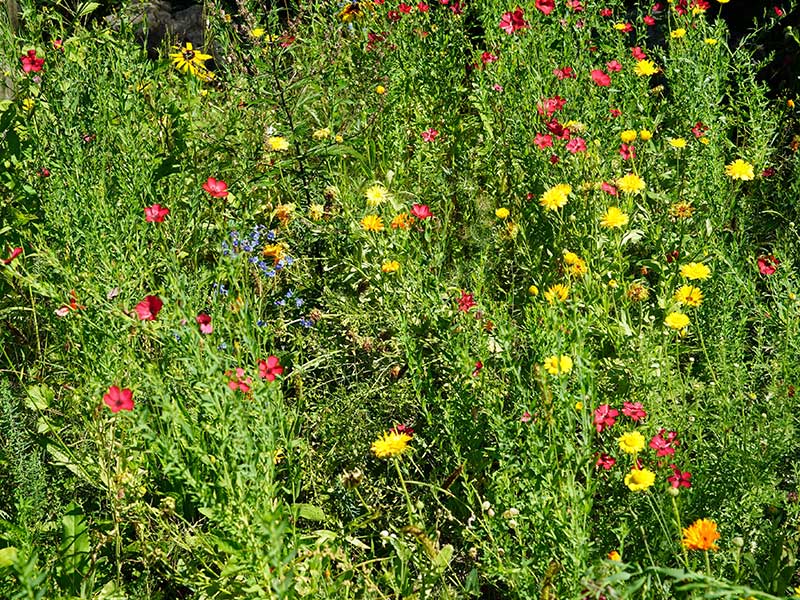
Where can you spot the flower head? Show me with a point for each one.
(556, 365)
(639, 480)
(545, 6)
(604, 417)
(700, 535)
(600, 78)
(392, 443)
(216, 188)
(204, 321)
(429, 135)
(631, 442)
(556, 293)
(390, 266)
(677, 320)
(664, 443)
(421, 211)
(614, 218)
(188, 60)
(155, 213)
(679, 478)
(767, 265)
(117, 399)
(376, 195)
(278, 143)
(238, 381)
(511, 22)
(689, 295)
(148, 309)
(372, 223)
(32, 63)
(630, 183)
(556, 197)
(695, 270)
(270, 368)
(466, 302)
(645, 67)
(740, 169)
(14, 253)
(634, 411)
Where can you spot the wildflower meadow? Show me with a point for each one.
(367, 299)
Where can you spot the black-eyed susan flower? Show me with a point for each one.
(189, 60)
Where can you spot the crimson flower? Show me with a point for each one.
(767, 265)
(543, 141)
(564, 73)
(466, 301)
(512, 22)
(604, 461)
(429, 135)
(550, 105)
(155, 213)
(649, 20)
(699, 129)
(239, 381)
(117, 399)
(558, 130)
(149, 308)
(604, 417)
(422, 7)
(394, 16)
(614, 66)
(614, 112)
(404, 8)
(526, 417)
(477, 370)
(576, 145)
(664, 445)
(270, 368)
(216, 187)
(31, 63)
(546, 6)
(634, 410)
(600, 78)
(15, 252)
(638, 53)
(778, 11)
(488, 57)
(606, 12)
(608, 188)
(204, 321)
(421, 211)
(627, 152)
(680, 479)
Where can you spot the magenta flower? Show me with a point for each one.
(512, 22)
(239, 381)
(15, 252)
(627, 152)
(604, 461)
(204, 321)
(608, 188)
(564, 73)
(664, 443)
(148, 309)
(155, 213)
(117, 399)
(488, 57)
(478, 368)
(31, 63)
(600, 78)
(216, 187)
(680, 479)
(270, 368)
(614, 66)
(604, 417)
(634, 411)
(421, 211)
(429, 135)
(526, 417)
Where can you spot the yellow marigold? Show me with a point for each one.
(533, 290)
(402, 221)
(644, 68)
(376, 195)
(372, 223)
(614, 217)
(740, 169)
(630, 183)
(631, 442)
(556, 196)
(678, 33)
(639, 480)
(695, 270)
(628, 136)
(677, 320)
(278, 143)
(502, 213)
(689, 295)
(557, 293)
(556, 365)
(677, 142)
(390, 266)
(700, 535)
(645, 134)
(390, 444)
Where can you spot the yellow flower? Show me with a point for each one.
(316, 211)
(631, 442)
(643, 68)
(257, 32)
(502, 213)
(557, 293)
(372, 223)
(390, 444)
(354, 10)
(740, 169)
(704, 140)
(614, 555)
(283, 212)
(189, 60)
(338, 139)
(558, 365)
(677, 320)
(533, 290)
(630, 183)
(645, 134)
(380, 90)
(628, 136)
(639, 480)
(677, 142)
(678, 33)
(376, 195)
(689, 295)
(681, 210)
(620, 26)
(556, 196)
(695, 270)
(275, 251)
(390, 266)
(790, 103)
(700, 535)
(711, 41)
(28, 104)
(322, 134)
(637, 292)
(278, 143)
(578, 268)
(614, 217)
(579, 405)
(723, 1)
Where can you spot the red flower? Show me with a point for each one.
(606, 12)
(604, 461)
(634, 411)
(614, 112)
(564, 73)
(558, 130)
(31, 63)
(543, 141)
(600, 78)
(512, 22)
(664, 445)
(15, 252)
(488, 57)
(699, 129)
(778, 11)
(576, 145)
(149, 308)
(614, 66)
(608, 189)
(155, 213)
(638, 53)
(575, 5)
(526, 417)
(627, 152)
(680, 479)
(58, 44)
(649, 21)
(478, 367)
(429, 135)
(604, 417)
(216, 187)
(546, 6)
(73, 305)
(404, 8)
(466, 301)
(238, 381)
(421, 211)
(550, 105)
(767, 265)
(117, 399)
(627, 28)
(204, 321)
(422, 7)
(554, 159)
(44, 172)
(270, 368)
(394, 16)
(768, 172)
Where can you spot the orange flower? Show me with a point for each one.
(700, 535)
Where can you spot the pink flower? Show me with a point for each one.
(238, 381)
(117, 399)
(421, 211)
(149, 308)
(543, 141)
(488, 57)
(575, 5)
(15, 252)
(614, 66)
(216, 187)
(204, 321)
(600, 78)
(478, 368)
(564, 73)
(429, 135)
(466, 302)
(627, 152)
(606, 12)
(649, 21)
(699, 130)
(31, 63)
(767, 265)
(512, 22)
(270, 368)
(664, 443)
(497, 87)
(155, 213)
(638, 53)
(576, 145)
(526, 417)
(680, 479)
(634, 411)
(604, 461)
(604, 417)
(608, 189)
(546, 6)
(550, 105)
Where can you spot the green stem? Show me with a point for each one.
(680, 531)
(405, 490)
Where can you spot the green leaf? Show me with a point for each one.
(74, 547)
(8, 556)
(87, 8)
(309, 512)
(39, 397)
